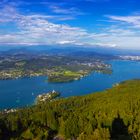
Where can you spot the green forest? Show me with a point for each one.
(113, 114)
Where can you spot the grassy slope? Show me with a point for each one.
(112, 114)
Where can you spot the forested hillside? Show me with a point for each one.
(112, 114)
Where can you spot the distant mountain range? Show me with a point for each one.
(61, 49)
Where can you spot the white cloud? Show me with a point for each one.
(132, 20)
(37, 29)
(69, 11)
(122, 38)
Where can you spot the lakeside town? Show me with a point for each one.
(57, 68)
(41, 98)
(129, 57)
(46, 97)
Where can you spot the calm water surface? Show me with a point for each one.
(22, 92)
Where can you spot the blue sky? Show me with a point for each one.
(108, 23)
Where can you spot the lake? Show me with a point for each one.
(22, 92)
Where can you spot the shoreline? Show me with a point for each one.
(15, 109)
